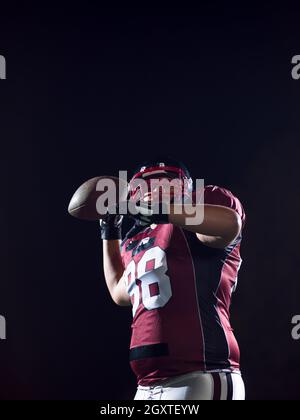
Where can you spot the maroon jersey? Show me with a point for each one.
(180, 292)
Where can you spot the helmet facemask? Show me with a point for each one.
(160, 183)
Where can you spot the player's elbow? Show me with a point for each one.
(121, 302)
(120, 299)
(234, 226)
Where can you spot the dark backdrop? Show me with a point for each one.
(92, 90)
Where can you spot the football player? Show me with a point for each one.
(179, 279)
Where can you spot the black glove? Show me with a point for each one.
(111, 227)
(149, 213)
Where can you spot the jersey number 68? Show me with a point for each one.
(151, 286)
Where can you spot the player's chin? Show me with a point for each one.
(163, 198)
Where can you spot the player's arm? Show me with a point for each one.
(218, 228)
(220, 225)
(113, 272)
(112, 261)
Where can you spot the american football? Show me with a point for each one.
(83, 204)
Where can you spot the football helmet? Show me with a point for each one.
(162, 167)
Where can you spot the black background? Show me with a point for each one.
(92, 90)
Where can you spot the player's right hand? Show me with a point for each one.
(111, 227)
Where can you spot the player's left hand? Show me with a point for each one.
(148, 213)
(145, 213)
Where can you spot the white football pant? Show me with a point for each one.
(196, 386)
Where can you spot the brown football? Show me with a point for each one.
(89, 201)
